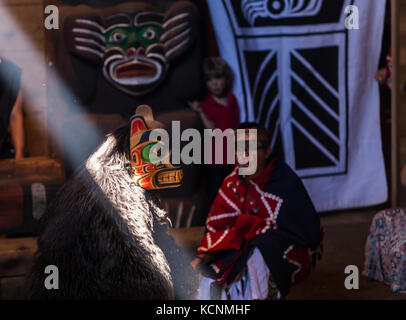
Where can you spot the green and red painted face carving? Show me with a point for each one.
(146, 172)
(134, 58)
(135, 47)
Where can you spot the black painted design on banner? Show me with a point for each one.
(295, 81)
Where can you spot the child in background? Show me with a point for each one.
(218, 110)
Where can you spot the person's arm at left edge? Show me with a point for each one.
(17, 127)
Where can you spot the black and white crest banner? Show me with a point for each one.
(302, 73)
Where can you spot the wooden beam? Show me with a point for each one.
(16, 255)
(395, 95)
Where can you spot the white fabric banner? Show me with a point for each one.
(303, 74)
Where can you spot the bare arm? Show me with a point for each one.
(381, 75)
(195, 106)
(17, 127)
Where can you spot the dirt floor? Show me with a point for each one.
(344, 243)
(345, 238)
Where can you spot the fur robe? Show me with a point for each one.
(108, 237)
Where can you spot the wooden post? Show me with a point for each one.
(394, 153)
(398, 101)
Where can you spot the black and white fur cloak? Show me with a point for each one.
(108, 237)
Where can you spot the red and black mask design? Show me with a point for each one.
(146, 170)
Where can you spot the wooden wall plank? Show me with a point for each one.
(16, 255)
(398, 101)
(12, 288)
(57, 109)
(19, 23)
(19, 2)
(395, 94)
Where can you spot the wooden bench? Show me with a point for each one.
(15, 257)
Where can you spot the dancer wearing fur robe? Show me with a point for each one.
(262, 232)
(105, 230)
